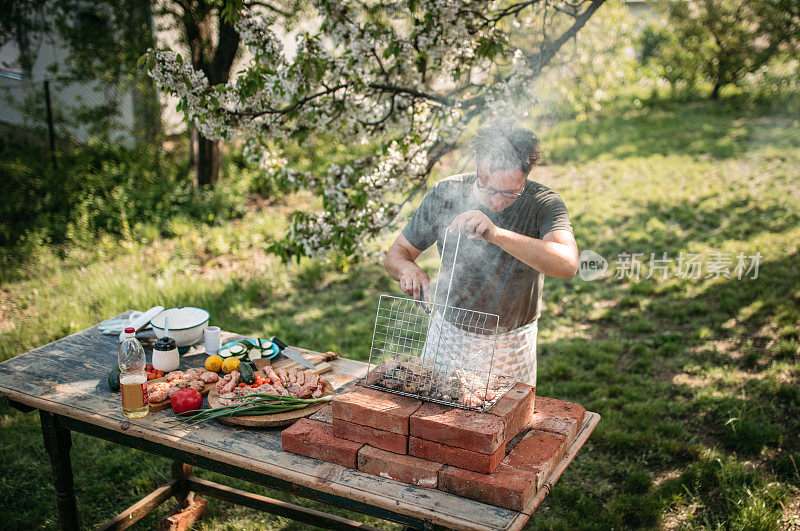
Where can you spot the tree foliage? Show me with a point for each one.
(408, 77)
(723, 40)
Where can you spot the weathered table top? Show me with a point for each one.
(68, 378)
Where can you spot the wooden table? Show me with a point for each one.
(66, 382)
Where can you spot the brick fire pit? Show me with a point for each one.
(501, 457)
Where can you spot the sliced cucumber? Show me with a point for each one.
(224, 353)
(236, 350)
(254, 354)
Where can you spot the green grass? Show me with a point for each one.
(697, 381)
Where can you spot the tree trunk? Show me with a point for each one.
(715, 92)
(215, 63)
(206, 158)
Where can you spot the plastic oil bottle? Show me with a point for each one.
(132, 377)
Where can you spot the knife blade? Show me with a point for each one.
(292, 354)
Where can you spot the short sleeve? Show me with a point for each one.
(552, 214)
(421, 231)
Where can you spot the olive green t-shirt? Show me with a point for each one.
(486, 278)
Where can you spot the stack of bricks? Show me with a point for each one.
(501, 456)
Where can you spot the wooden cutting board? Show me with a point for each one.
(320, 360)
(269, 421)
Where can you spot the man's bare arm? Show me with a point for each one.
(400, 263)
(555, 255)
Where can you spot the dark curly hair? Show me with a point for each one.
(507, 146)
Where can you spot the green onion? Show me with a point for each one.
(254, 404)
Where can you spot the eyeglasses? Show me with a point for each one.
(488, 190)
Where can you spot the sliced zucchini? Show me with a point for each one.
(236, 350)
(254, 354)
(224, 353)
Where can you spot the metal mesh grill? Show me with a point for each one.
(436, 352)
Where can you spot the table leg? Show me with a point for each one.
(57, 442)
(181, 472)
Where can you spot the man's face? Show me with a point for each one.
(489, 185)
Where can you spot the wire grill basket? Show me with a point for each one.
(436, 352)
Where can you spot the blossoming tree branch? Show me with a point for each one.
(407, 77)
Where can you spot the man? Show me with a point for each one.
(516, 231)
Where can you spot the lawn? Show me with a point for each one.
(697, 379)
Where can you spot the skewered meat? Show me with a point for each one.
(229, 383)
(272, 375)
(277, 382)
(284, 377)
(312, 386)
(300, 391)
(267, 389)
(470, 400)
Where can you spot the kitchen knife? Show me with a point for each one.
(291, 353)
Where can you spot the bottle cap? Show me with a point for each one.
(129, 330)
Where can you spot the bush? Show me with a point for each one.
(720, 42)
(103, 188)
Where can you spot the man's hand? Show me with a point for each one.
(475, 225)
(416, 283)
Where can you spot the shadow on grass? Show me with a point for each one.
(686, 383)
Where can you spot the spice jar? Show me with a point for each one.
(165, 355)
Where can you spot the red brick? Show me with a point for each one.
(561, 425)
(515, 408)
(378, 409)
(313, 438)
(385, 440)
(459, 457)
(323, 415)
(538, 452)
(505, 487)
(403, 468)
(559, 408)
(461, 428)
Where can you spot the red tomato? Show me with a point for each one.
(243, 385)
(186, 400)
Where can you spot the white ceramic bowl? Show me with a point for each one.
(186, 324)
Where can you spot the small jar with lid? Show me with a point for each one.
(165, 355)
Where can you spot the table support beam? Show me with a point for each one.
(140, 509)
(57, 442)
(272, 506)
